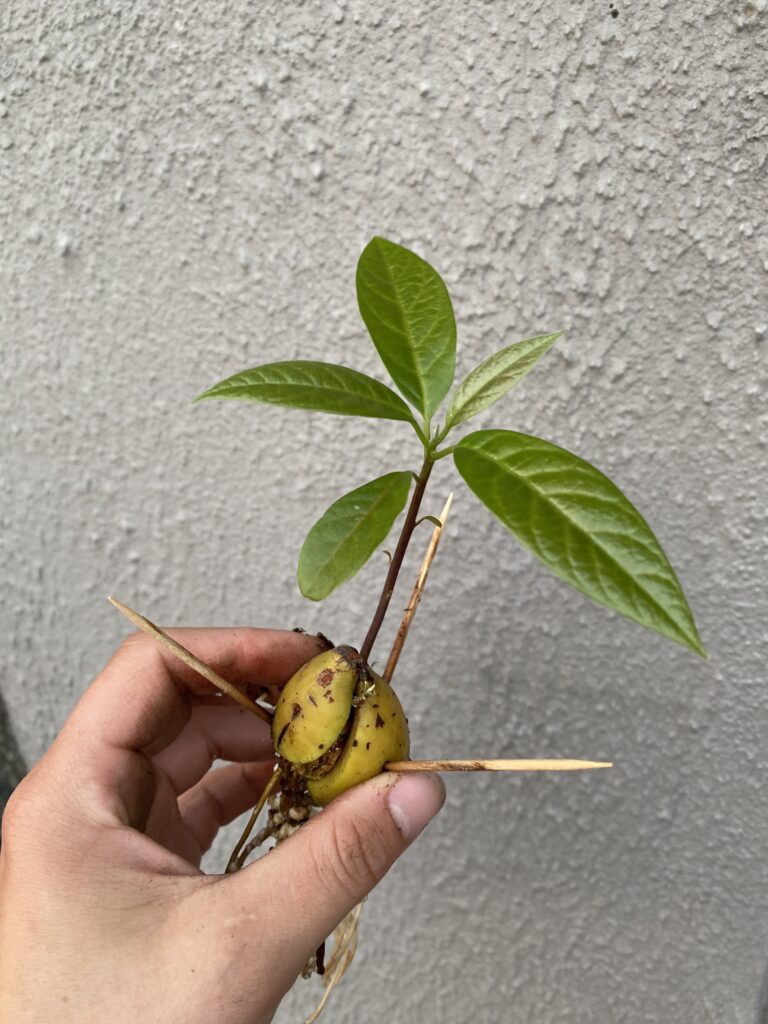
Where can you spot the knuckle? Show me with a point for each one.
(357, 857)
(211, 809)
(20, 812)
(134, 644)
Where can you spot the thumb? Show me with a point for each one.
(326, 868)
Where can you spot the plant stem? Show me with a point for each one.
(397, 558)
(424, 438)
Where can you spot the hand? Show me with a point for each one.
(104, 912)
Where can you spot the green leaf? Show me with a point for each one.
(345, 537)
(580, 525)
(408, 313)
(306, 384)
(492, 379)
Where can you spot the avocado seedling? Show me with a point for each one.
(337, 722)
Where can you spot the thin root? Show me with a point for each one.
(235, 863)
(345, 945)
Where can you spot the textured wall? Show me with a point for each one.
(12, 767)
(185, 188)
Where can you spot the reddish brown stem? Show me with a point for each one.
(397, 559)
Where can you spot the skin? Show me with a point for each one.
(104, 911)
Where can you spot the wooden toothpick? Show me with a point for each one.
(233, 864)
(484, 765)
(521, 765)
(418, 587)
(188, 658)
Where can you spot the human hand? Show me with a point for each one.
(104, 912)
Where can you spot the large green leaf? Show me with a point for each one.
(306, 384)
(408, 313)
(345, 537)
(580, 525)
(492, 379)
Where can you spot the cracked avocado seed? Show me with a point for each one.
(379, 733)
(314, 706)
(329, 737)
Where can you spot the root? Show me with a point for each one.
(287, 810)
(345, 945)
(280, 825)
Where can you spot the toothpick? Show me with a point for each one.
(525, 765)
(421, 580)
(189, 659)
(233, 864)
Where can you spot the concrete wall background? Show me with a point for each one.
(185, 190)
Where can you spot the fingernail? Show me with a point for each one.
(414, 800)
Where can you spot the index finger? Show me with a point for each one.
(143, 698)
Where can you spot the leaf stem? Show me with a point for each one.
(397, 558)
(424, 438)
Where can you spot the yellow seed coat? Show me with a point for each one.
(314, 706)
(379, 734)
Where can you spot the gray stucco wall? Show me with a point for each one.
(185, 189)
